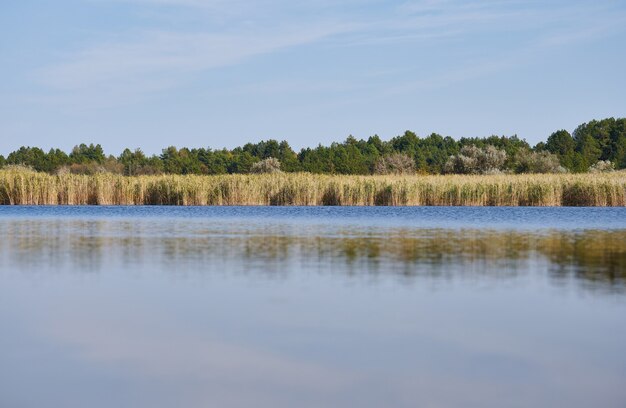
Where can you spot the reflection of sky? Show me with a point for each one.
(304, 343)
(517, 218)
(311, 316)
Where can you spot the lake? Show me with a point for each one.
(312, 307)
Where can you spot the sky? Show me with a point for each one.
(221, 73)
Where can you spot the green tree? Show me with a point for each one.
(316, 160)
(181, 161)
(28, 156)
(56, 158)
(563, 145)
(408, 143)
(133, 162)
(381, 147)
(596, 140)
(589, 148)
(620, 153)
(214, 162)
(607, 135)
(241, 161)
(288, 158)
(83, 154)
(436, 150)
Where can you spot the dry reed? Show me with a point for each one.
(18, 186)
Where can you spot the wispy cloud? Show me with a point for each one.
(149, 53)
(562, 34)
(156, 53)
(149, 60)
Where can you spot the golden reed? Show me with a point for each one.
(19, 186)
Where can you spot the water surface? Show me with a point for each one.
(310, 307)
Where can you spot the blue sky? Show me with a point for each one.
(219, 73)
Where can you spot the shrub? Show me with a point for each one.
(476, 160)
(147, 170)
(602, 166)
(18, 168)
(537, 162)
(396, 163)
(89, 169)
(62, 170)
(269, 165)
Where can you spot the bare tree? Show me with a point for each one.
(269, 165)
(395, 163)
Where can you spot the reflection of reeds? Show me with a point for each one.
(25, 187)
(596, 259)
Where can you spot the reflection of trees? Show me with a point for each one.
(590, 257)
(594, 258)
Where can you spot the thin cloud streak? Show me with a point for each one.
(167, 52)
(176, 53)
(154, 61)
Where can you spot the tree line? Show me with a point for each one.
(598, 144)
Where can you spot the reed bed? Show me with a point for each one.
(20, 187)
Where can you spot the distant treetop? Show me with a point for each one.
(591, 146)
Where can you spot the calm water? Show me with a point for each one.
(312, 307)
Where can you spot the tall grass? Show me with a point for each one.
(18, 186)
